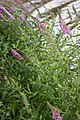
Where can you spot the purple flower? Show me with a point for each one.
(65, 28)
(11, 10)
(17, 1)
(16, 54)
(59, 118)
(4, 10)
(41, 25)
(56, 116)
(0, 11)
(55, 113)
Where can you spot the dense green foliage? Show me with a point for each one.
(47, 72)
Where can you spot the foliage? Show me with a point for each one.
(48, 72)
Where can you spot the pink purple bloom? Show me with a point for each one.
(0, 11)
(4, 10)
(11, 10)
(65, 28)
(56, 116)
(17, 1)
(16, 54)
(41, 25)
(59, 118)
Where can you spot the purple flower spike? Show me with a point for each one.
(59, 118)
(0, 11)
(11, 10)
(16, 54)
(64, 27)
(5, 11)
(56, 116)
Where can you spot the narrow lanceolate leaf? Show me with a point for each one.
(70, 16)
(74, 9)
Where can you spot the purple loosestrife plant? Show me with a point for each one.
(42, 73)
(16, 54)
